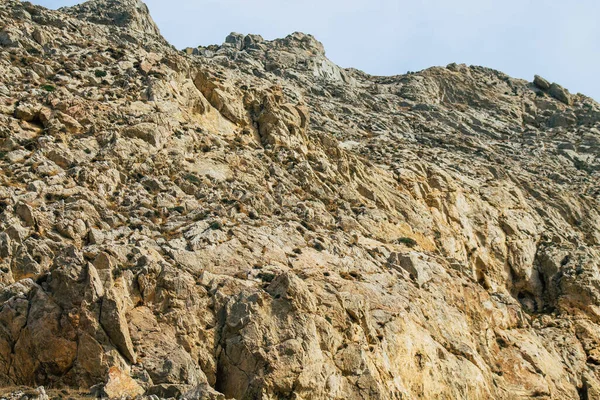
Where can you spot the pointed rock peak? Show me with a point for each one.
(132, 14)
(303, 41)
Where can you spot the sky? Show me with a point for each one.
(557, 39)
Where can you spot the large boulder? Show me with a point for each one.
(560, 94)
(541, 82)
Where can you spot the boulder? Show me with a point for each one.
(114, 322)
(148, 132)
(236, 40)
(560, 94)
(9, 38)
(120, 385)
(26, 213)
(541, 83)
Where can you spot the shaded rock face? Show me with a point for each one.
(251, 221)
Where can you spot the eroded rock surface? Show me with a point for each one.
(251, 221)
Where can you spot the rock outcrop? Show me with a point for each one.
(251, 221)
(131, 14)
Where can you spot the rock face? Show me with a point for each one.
(251, 221)
(131, 14)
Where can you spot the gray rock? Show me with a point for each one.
(418, 269)
(541, 82)
(115, 324)
(203, 392)
(9, 38)
(26, 213)
(560, 94)
(132, 14)
(39, 36)
(169, 391)
(236, 40)
(24, 265)
(250, 41)
(248, 208)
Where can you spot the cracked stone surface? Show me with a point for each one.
(251, 221)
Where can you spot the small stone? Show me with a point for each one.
(103, 261)
(17, 156)
(42, 394)
(170, 391)
(96, 236)
(39, 36)
(204, 392)
(145, 66)
(70, 123)
(26, 213)
(24, 266)
(26, 112)
(418, 269)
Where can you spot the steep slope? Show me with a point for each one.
(251, 221)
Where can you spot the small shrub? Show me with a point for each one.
(410, 242)
(318, 246)
(99, 73)
(116, 273)
(216, 225)
(583, 166)
(49, 88)
(266, 277)
(192, 179)
(179, 209)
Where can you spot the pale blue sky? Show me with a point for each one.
(557, 39)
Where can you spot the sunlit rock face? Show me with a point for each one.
(251, 221)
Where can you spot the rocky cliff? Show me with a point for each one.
(251, 221)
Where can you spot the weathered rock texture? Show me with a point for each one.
(251, 221)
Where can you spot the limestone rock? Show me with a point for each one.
(120, 385)
(541, 83)
(411, 263)
(249, 220)
(203, 392)
(26, 213)
(9, 38)
(560, 93)
(132, 14)
(236, 40)
(148, 132)
(114, 322)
